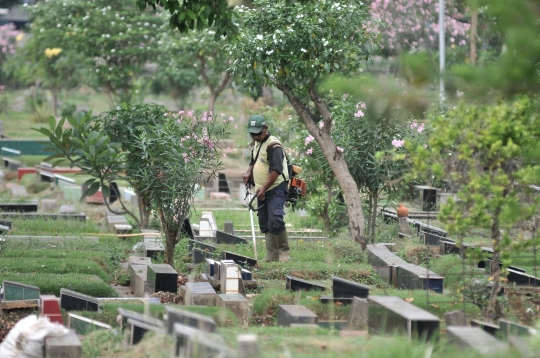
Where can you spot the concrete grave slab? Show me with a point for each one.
(153, 249)
(241, 260)
(359, 315)
(49, 307)
(194, 320)
(509, 328)
(67, 209)
(290, 314)
(199, 255)
(342, 288)
(414, 277)
(66, 346)
(128, 314)
(455, 318)
(136, 271)
(475, 338)
(228, 227)
(120, 229)
(296, 284)
(237, 304)
(490, 328)
(229, 277)
(248, 347)
(188, 337)
(48, 205)
(162, 277)
(138, 329)
(226, 238)
(84, 326)
(200, 294)
(75, 301)
(391, 315)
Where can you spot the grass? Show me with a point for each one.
(58, 227)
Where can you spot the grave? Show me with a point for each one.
(414, 277)
(153, 249)
(430, 239)
(237, 304)
(520, 278)
(199, 294)
(12, 164)
(223, 187)
(342, 288)
(509, 328)
(138, 329)
(404, 227)
(202, 245)
(45, 176)
(228, 227)
(191, 319)
(241, 260)
(225, 238)
(19, 207)
(112, 220)
(475, 338)
(67, 209)
(186, 228)
(247, 346)
(382, 259)
(138, 280)
(125, 314)
(428, 195)
(229, 277)
(391, 315)
(455, 318)
(66, 346)
(205, 231)
(246, 275)
(490, 328)
(14, 291)
(121, 229)
(17, 190)
(359, 315)
(84, 326)
(162, 277)
(295, 284)
(48, 307)
(74, 301)
(6, 223)
(290, 314)
(187, 339)
(24, 208)
(199, 255)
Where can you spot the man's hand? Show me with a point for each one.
(261, 193)
(247, 175)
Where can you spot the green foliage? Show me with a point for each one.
(41, 113)
(68, 109)
(294, 43)
(197, 15)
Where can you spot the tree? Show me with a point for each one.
(491, 154)
(199, 51)
(8, 39)
(114, 39)
(166, 161)
(197, 14)
(293, 45)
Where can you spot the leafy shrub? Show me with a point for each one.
(41, 114)
(37, 187)
(34, 101)
(68, 109)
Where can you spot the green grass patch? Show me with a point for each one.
(52, 227)
(50, 284)
(53, 266)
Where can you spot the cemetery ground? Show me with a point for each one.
(87, 257)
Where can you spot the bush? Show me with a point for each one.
(41, 114)
(32, 102)
(37, 187)
(67, 109)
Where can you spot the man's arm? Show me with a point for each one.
(249, 172)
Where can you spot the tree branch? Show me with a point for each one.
(204, 76)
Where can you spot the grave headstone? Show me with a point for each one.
(48, 307)
(162, 277)
(490, 328)
(248, 346)
(14, 291)
(205, 231)
(84, 326)
(289, 314)
(390, 315)
(187, 337)
(191, 319)
(228, 227)
(237, 303)
(67, 209)
(414, 277)
(138, 329)
(241, 260)
(455, 318)
(223, 187)
(153, 249)
(382, 260)
(199, 255)
(137, 276)
(112, 220)
(201, 245)
(359, 315)
(186, 228)
(348, 289)
(509, 328)
(48, 205)
(521, 345)
(430, 239)
(74, 301)
(66, 346)
(210, 268)
(429, 197)
(229, 277)
(296, 284)
(125, 314)
(475, 338)
(200, 294)
(225, 238)
(246, 275)
(123, 229)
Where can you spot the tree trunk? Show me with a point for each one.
(368, 219)
(374, 216)
(474, 26)
(325, 215)
(55, 101)
(171, 239)
(333, 156)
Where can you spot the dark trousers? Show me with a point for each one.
(271, 215)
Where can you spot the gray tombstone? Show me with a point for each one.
(289, 314)
(475, 338)
(247, 346)
(404, 227)
(455, 318)
(200, 294)
(358, 317)
(66, 346)
(228, 227)
(194, 320)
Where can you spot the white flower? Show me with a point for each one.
(113, 51)
(320, 21)
(259, 37)
(269, 52)
(303, 50)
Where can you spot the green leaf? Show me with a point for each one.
(52, 123)
(191, 15)
(124, 106)
(105, 190)
(90, 191)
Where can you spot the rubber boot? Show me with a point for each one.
(272, 250)
(283, 245)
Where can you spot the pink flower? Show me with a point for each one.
(231, 119)
(398, 143)
(166, 114)
(190, 113)
(181, 112)
(224, 155)
(421, 128)
(308, 140)
(359, 114)
(339, 149)
(413, 125)
(236, 126)
(309, 151)
(228, 148)
(179, 120)
(223, 114)
(321, 125)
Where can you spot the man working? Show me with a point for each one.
(268, 169)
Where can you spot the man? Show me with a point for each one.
(268, 170)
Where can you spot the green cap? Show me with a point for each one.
(256, 123)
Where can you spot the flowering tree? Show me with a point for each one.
(8, 40)
(112, 41)
(413, 25)
(199, 51)
(292, 45)
(165, 161)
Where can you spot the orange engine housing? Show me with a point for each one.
(299, 183)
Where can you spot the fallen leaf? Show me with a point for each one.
(408, 299)
(435, 306)
(337, 303)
